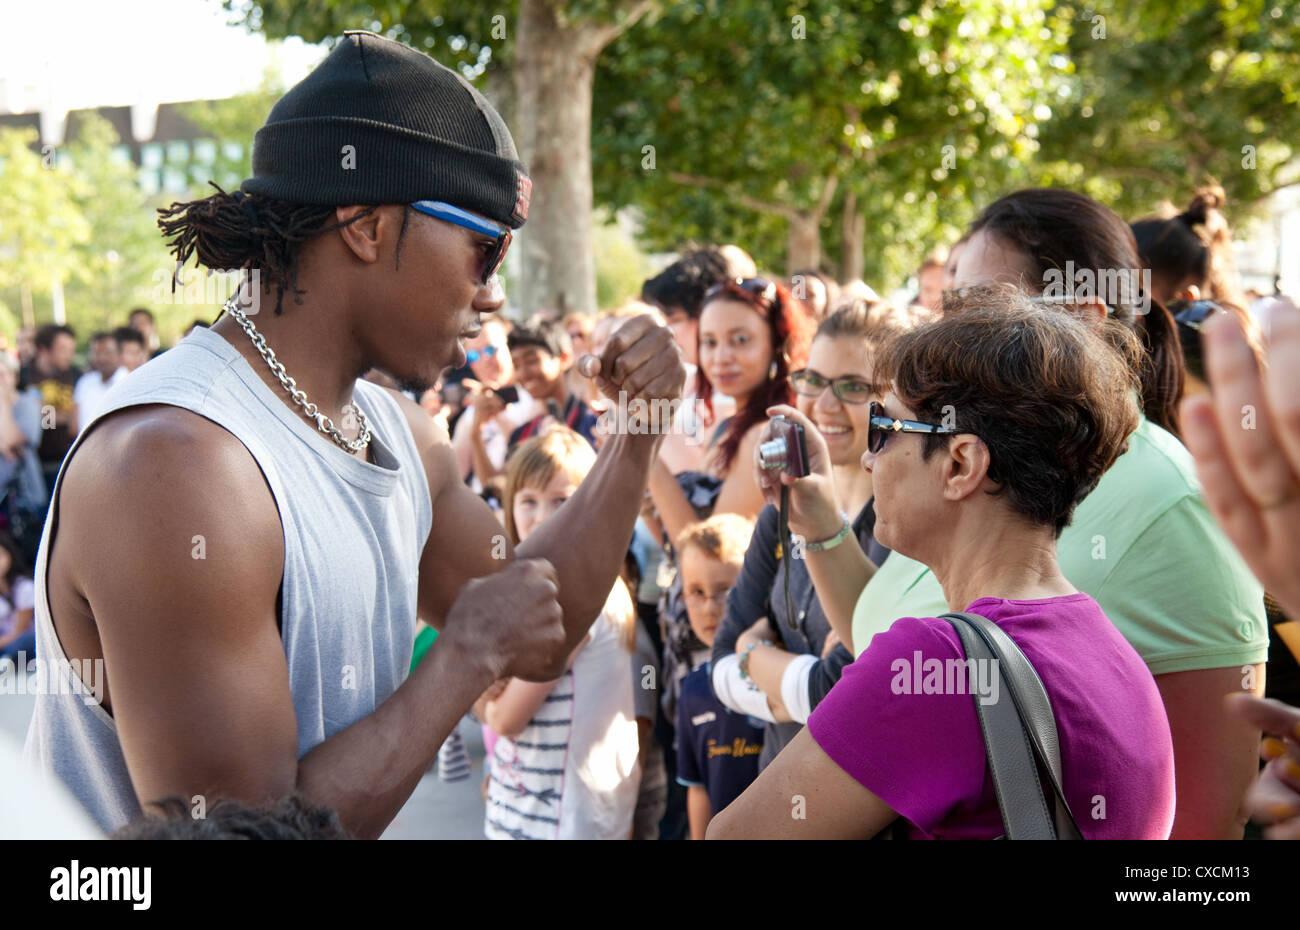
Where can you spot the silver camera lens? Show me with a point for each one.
(772, 454)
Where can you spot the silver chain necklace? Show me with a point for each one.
(323, 422)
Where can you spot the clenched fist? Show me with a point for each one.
(641, 360)
(512, 621)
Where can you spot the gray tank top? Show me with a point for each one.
(353, 535)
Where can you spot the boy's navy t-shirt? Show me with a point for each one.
(577, 416)
(716, 747)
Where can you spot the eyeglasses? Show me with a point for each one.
(473, 355)
(699, 599)
(880, 426)
(493, 255)
(755, 287)
(848, 389)
(1193, 313)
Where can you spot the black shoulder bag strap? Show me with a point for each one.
(1019, 735)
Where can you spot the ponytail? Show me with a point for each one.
(238, 231)
(1162, 371)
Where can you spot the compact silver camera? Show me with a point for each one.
(786, 451)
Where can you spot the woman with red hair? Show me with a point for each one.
(752, 333)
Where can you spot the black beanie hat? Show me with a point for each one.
(378, 122)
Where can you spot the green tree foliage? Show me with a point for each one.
(115, 267)
(41, 223)
(1166, 96)
(754, 108)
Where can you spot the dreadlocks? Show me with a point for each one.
(243, 231)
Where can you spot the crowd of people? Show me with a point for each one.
(46, 399)
(1110, 476)
(1099, 518)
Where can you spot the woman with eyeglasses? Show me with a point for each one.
(999, 419)
(766, 663)
(1143, 543)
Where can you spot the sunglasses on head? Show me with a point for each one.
(848, 389)
(473, 355)
(755, 287)
(881, 427)
(494, 254)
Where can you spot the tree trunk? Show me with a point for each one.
(853, 233)
(553, 76)
(803, 245)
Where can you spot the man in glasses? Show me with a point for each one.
(481, 434)
(247, 542)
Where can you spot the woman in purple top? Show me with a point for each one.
(1019, 413)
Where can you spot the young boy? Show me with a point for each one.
(541, 354)
(717, 751)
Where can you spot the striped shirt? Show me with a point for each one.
(573, 772)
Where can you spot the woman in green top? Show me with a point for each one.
(1142, 544)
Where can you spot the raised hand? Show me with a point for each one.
(814, 510)
(641, 361)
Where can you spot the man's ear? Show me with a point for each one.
(1191, 292)
(967, 466)
(365, 234)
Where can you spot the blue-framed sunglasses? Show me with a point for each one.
(473, 355)
(880, 427)
(493, 255)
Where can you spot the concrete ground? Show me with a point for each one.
(436, 811)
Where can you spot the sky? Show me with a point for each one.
(87, 53)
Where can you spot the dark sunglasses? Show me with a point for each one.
(473, 355)
(756, 287)
(1193, 313)
(880, 427)
(848, 389)
(494, 254)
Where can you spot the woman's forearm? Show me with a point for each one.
(838, 576)
(675, 511)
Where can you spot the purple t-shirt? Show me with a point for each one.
(923, 753)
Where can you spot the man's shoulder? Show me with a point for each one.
(158, 442)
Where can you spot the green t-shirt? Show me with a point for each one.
(1144, 546)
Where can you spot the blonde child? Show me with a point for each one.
(564, 765)
(717, 748)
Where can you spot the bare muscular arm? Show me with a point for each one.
(196, 674)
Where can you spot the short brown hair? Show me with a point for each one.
(1052, 397)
